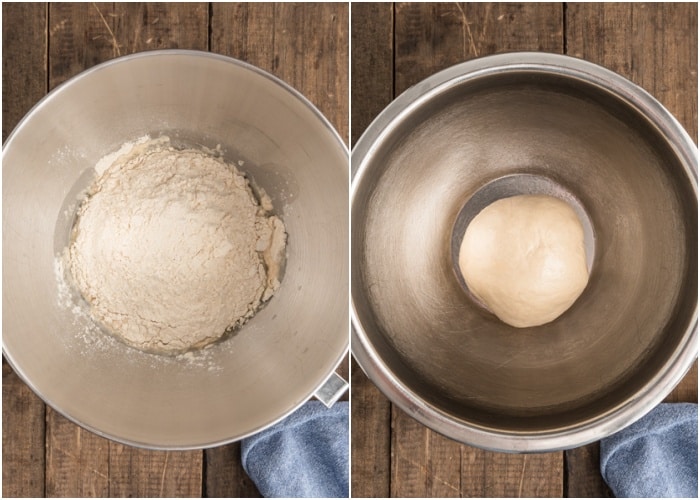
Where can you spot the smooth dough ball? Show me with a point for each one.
(524, 257)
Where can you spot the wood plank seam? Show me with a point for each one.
(565, 472)
(203, 485)
(210, 14)
(393, 53)
(564, 41)
(47, 40)
(47, 11)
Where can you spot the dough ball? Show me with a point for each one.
(524, 258)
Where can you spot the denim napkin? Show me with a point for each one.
(657, 456)
(303, 456)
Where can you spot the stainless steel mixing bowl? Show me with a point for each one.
(494, 127)
(279, 358)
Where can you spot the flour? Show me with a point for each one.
(172, 249)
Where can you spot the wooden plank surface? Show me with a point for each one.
(372, 33)
(652, 44)
(134, 472)
(80, 36)
(224, 475)
(433, 36)
(372, 88)
(311, 53)
(583, 473)
(23, 434)
(655, 45)
(43, 46)
(139, 26)
(306, 45)
(371, 438)
(23, 413)
(423, 463)
(23, 46)
(77, 461)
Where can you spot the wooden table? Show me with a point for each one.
(393, 47)
(305, 45)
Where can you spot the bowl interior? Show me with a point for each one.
(278, 359)
(447, 350)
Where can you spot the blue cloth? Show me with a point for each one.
(303, 456)
(656, 456)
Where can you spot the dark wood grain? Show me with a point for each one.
(140, 26)
(489, 474)
(23, 432)
(583, 473)
(372, 34)
(433, 36)
(507, 27)
(423, 463)
(151, 473)
(306, 45)
(311, 53)
(652, 44)
(428, 37)
(426, 464)
(77, 461)
(24, 82)
(371, 438)
(474, 471)
(23, 61)
(81, 35)
(224, 475)
(135, 472)
(535, 475)
(244, 31)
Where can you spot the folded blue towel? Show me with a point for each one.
(303, 456)
(657, 456)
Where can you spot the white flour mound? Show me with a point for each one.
(171, 248)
